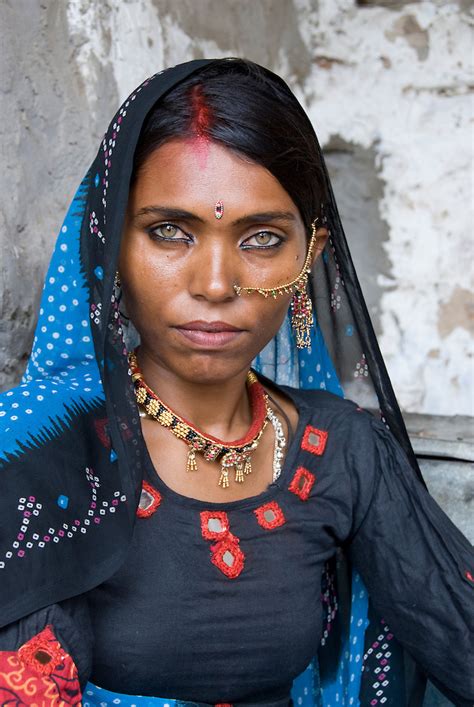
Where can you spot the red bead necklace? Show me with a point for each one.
(234, 454)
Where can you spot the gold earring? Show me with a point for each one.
(302, 319)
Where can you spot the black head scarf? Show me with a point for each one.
(72, 450)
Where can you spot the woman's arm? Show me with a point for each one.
(417, 566)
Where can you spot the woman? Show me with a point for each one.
(175, 526)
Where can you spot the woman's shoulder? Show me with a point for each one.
(345, 419)
(319, 400)
(326, 407)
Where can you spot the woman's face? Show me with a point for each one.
(179, 263)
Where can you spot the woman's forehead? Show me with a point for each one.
(196, 173)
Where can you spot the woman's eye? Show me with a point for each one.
(167, 231)
(264, 239)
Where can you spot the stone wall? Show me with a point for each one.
(387, 87)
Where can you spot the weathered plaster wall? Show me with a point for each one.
(387, 87)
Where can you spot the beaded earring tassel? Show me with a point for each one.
(302, 319)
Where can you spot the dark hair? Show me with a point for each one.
(250, 110)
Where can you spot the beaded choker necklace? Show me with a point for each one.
(234, 454)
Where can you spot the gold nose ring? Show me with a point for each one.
(299, 282)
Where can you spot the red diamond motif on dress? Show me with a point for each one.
(314, 440)
(302, 483)
(270, 515)
(214, 525)
(150, 499)
(225, 553)
(228, 557)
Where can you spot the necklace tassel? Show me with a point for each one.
(191, 463)
(224, 479)
(248, 466)
(239, 473)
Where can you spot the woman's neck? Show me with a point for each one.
(221, 409)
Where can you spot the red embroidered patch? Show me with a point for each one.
(228, 557)
(469, 576)
(226, 553)
(214, 525)
(302, 483)
(270, 515)
(43, 653)
(314, 440)
(39, 673)
(150, 499)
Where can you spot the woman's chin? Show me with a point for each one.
(210, 368)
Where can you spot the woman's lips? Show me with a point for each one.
(209, 334)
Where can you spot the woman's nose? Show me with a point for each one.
(213, 273)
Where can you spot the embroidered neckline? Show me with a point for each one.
(274, 488)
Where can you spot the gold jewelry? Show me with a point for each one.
(299, 282)
(302, 318)
(234, 454)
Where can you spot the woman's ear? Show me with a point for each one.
(320, 242)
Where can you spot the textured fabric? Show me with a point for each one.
(172, 597)
(95, 696)
(363, 488)
(72, 456)
(40, 672)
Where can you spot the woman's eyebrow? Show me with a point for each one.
(264, 217)
(169, 212)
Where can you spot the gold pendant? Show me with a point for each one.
(248, 465)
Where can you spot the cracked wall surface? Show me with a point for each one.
(387, 86)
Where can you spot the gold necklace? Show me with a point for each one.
(236, 454)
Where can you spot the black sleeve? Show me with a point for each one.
(70, 622)
(417, 566)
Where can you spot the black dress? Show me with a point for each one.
(221, 602)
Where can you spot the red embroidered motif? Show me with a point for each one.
(224, 704)
(314, 440)
(42, 653)
(228, 557)
(150, 499)
(469, 576)
(270, 515)
(39, 673)
(226, 553)
(214, 525)
(302, 483)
